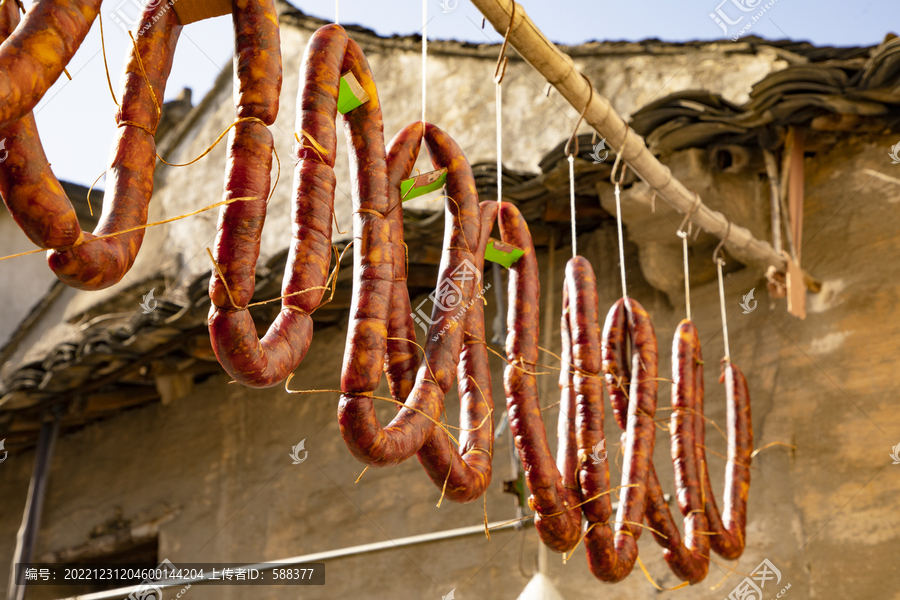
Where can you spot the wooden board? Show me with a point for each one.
(189, 11)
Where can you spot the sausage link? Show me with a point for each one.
(247, 175)
(467, 472)
(581, 323)
(247, 358)
(616, 365)
(729, 535)
(566, 439)
(240, 223)
(557, 523)
(372, 254)
(367, 440)
(36, 199)
(34, 56)
(612, 552)
(46, 218)
(257, 42)
(401, 359)
(689, 559)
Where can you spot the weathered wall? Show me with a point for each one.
(26, 279)
(217, 461)
(824, 514)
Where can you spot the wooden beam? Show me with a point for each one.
(559, 69)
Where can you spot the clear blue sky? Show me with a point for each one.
(76, 118)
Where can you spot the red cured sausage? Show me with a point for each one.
(557, 521)
(258, 70)
(372, 254)
(566, 439)
(265, 362)
(688, 559)
(584, 389)
(34, 56)
(467, 472)
(47, 219)
(729, 538)
(34, 196)
(616, 364)
(612, 551)
(402, 359)
(257, 44)
(367, 440)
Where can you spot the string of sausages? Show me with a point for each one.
(33, 195)
(621, 358)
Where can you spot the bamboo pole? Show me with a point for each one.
(559, 69)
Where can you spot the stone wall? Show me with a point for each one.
(212, 470)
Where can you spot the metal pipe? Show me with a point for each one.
(26, 539)
(308, 558)
(412, 540)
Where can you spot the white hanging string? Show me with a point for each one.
(424, 51)
(571, 156)
(572, 204)
(687, 277)
(337, 12)
(499, 72)
(498, 96)
(621, 244)
(619, 218)
(719, 263)
(729, 377)
(618, 183)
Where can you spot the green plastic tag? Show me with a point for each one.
(351, 94)
(502, 253)
(423, 184)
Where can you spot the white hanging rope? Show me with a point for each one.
(572, 204)
(498, 97)
(621, 244)
(687, 277)
(424, 51)
(719, 263)
(618, 184)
